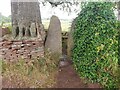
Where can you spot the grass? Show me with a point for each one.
(37, 73)
(64, 24)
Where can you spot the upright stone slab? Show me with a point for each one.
(54, 37)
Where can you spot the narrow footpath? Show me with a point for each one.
(68, 78)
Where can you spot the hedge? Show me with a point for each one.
(95, 37)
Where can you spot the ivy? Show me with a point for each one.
(95, 51)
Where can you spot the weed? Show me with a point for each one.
(35, 73)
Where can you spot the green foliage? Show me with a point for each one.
(5, 19)
(5, 22)
(95, 51)
(119, 43)
(2, 24)
(9, 26)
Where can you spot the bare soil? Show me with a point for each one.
(67, 77)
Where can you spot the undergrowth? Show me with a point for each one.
(37, 73)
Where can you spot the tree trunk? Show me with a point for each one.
(14, 10)
(24, 14)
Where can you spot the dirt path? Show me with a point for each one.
(67, 78)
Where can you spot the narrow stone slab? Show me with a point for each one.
(54, 37)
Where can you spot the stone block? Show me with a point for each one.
(54, 37)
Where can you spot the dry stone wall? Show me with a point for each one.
(21, 49)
